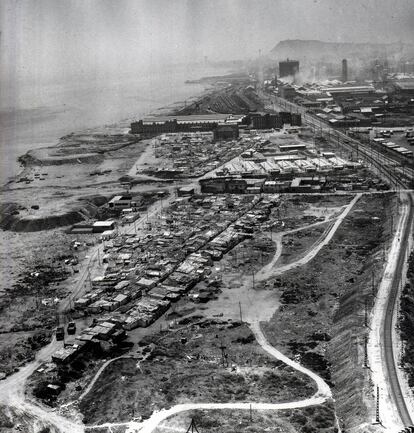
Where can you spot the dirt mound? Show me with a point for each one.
(11, 220)
(45, 157)
(17, 224)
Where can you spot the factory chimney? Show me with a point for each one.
(344, 70)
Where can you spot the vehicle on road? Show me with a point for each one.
(71, 329)
(60, 333)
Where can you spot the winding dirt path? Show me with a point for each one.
(322, 394)
(269, 270)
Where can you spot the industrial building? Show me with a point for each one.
(404, 88)
(288, 68)
(265, 121)
(226, 131)
(155, 125)
(344, 71)
(293, 119)
(287, 92)
(351, 90)
(122, 202)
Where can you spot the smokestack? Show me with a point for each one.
(344, 70)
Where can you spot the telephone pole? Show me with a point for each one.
(373, 283)
(377, 413)
(192, 428)
(224, 360)
(365, 352)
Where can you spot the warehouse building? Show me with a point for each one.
(155, 125)
(225, 131)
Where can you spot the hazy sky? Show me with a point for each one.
(44, 39)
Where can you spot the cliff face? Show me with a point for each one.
(318, 50)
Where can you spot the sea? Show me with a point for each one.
(44, 113)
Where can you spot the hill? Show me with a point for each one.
(319, 50)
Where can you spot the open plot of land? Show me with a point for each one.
(239, 294)
(295, 245)
(248, 256)
(16, 420)
(67, 183)
(210, 361)
(297, 211)
(330, 292)
(313, 418)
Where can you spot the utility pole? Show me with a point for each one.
(192, 428)
(366, 313)
(240, 310)
(373, 283)
(89, 277)
(224, 360)
(377, 415)
(365, 352)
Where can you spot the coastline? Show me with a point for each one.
(169, 109)
(47, 111)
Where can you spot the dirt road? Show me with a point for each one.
(395, 409)
(323, 393)
(269, 270)
(12, 393)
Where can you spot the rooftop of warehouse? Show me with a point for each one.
(349, 88)
(406, 85)
(216, 117)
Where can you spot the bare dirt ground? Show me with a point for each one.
(206, 362)
(296, 244)
(298, 211)
(314, 418)
(62, 190)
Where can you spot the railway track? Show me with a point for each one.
(387, 331)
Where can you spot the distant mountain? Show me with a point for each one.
(318, 50)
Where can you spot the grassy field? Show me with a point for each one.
(319, 419)
(214, 361)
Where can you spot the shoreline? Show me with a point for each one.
(169, 109)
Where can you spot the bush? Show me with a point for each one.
(298, 418)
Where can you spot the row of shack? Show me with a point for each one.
(145, 273)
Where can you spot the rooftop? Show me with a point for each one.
(345, 89)
(194, 118)
(405, 85)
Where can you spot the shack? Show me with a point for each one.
(103, 226)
